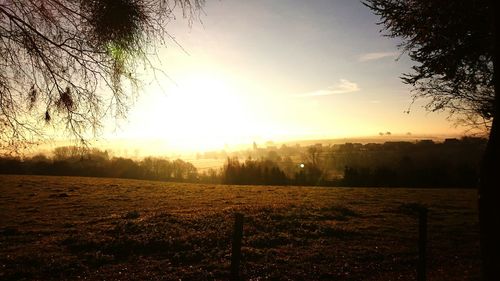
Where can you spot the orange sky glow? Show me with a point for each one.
(270, 70)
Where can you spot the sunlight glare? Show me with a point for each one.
(203, 111)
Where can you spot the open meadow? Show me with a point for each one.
(71, 228)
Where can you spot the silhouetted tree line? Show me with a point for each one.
(269, 172)
(75, 161)
(452, 163)
(258, 172)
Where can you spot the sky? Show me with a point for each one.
(274, 70)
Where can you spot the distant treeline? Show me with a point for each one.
(260, 172)
(452, 163)
(76, 161)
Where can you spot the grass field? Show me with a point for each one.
(64, 228)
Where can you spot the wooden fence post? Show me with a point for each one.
(236, 247)
(422, 244)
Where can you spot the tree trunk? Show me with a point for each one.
(489, 185)
(489, 208)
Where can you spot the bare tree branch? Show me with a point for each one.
(70, 63)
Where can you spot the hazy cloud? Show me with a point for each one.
(344, 86)
(377, 56)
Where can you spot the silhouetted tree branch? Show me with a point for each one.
(69, 63)
(452, 42)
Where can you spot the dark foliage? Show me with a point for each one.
(72, 161)
(452, 42)
(453, 163)
(260, 172)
